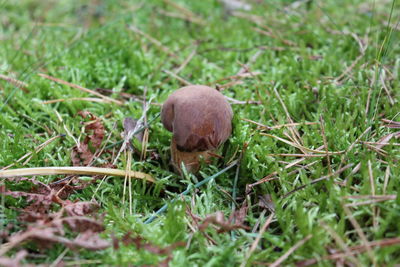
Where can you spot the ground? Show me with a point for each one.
(311, 167)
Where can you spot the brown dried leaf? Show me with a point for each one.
(82, 154)
(80, 208)
(129, 127)
(89, 240)
(239, 216)
(140, 243)
(266, 202)
(15, 261)
(219, 220)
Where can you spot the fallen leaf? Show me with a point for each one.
(82, 154)
(15, 261)
(219, 220)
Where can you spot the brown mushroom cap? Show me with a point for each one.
(199, 118)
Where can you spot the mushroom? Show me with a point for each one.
(200, 119)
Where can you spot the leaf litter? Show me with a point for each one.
(82, 153)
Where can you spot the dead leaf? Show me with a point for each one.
(219, 220)
(266, 202)
(239, 216)
(82, 154)
(130, 126)
(14, 261)
(140, 243)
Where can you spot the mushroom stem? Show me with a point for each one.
(191, 160)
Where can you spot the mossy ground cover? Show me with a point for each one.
(320, 77)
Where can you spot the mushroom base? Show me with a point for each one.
(191, 160)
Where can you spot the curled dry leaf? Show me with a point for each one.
(219, 220)
(130, 126)
(14, 261)
(239, 216)
(82, 154)
(46, 226)
(140, 243)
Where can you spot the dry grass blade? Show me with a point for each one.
(372, 184)
(369, 202)
(29, 155)
(17, 83)
(318, 180)
(88, 99)
(339, 241)
(106, 98)
(360, 233)
(257, 240)
(297, 155)
(391, 123)
(382, 79)
(172, 74)
(353, 251)
(154, 41)
(73, 171)
(193, 17)
(380, 197)
(279, 126)
(295, 135)
(290, 251)
(322, 124)
(179, 16)
(303, 147)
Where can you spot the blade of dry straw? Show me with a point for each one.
(74, 171)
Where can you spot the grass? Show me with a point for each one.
(320, 61)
